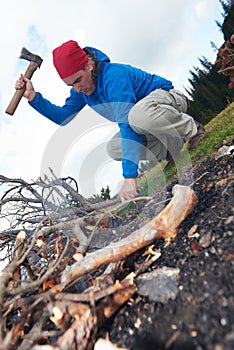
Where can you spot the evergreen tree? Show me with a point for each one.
(105, 193)
(209, 91)
(228, 23)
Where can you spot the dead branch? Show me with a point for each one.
(226, 60)
(108, 306)
(35, 284)
(9, 271)
(164, 225)
(24, 205)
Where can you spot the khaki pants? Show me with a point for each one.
(162, 120)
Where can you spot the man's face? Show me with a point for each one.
(82, 81)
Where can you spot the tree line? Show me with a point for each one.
(208, 92)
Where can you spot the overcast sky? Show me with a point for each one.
(165, 37)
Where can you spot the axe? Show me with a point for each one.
(35, 62)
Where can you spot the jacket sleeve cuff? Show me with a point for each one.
(130, 169)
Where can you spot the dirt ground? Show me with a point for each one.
(200, 315)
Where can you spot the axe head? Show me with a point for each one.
(35, 62)
(29, 56)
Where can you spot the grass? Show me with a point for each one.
(220, 128)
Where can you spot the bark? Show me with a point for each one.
(163, 225)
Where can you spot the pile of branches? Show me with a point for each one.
(226, 59)
(57, 289)
(46, 204)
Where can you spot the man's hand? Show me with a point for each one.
(128, 190)
(22, 82)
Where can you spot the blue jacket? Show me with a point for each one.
(118, 88)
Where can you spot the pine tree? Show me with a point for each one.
(228, 24)
(209, 91)
(105, 193)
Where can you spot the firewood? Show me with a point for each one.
(165, 225)
(77, 317)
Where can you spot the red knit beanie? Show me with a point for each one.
(69, 58)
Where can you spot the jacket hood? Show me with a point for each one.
(102, 57)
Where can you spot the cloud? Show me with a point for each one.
(205, 9)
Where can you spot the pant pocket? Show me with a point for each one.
(180, 100)
(161, 96)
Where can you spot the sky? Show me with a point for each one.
(163, 37)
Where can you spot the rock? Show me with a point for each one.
(159, 285)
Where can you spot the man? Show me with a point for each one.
(150, 113)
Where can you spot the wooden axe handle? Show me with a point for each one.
(19, 93)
